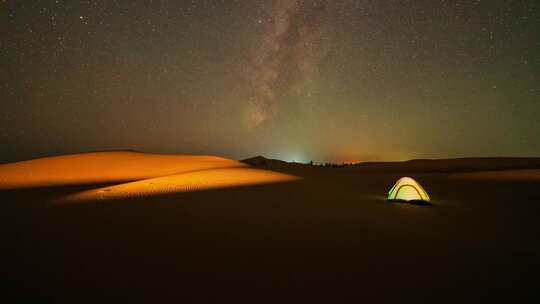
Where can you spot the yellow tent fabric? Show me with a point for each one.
(407, 189)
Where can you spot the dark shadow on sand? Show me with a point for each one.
(411, 202)
(316, 240)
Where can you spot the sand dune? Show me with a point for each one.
(103, 167)
(135, 174)
(187, 182)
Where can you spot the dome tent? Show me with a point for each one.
(407, 189)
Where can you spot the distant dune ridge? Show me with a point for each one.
(503, 175)
(452, 165)
(478, 168)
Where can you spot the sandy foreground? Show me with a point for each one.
(151, 228)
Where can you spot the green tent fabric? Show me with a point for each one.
(407, 189)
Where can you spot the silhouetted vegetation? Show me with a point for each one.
(333, 165)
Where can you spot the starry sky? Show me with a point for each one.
(321, 80)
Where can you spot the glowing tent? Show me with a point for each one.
(407, 189)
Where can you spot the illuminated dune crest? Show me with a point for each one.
(135, 174)
(103, 167)
(186, 182)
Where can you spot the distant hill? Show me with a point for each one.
(418, 165)
(452, 165)
(261, 161)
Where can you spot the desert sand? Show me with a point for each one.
(103, 167)
(299, 234)
(502, 175)
(200, 180)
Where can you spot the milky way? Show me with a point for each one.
(297, 38)
(321, 80)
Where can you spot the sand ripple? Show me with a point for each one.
(181, 183)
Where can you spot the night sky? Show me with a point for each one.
(291, 79)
